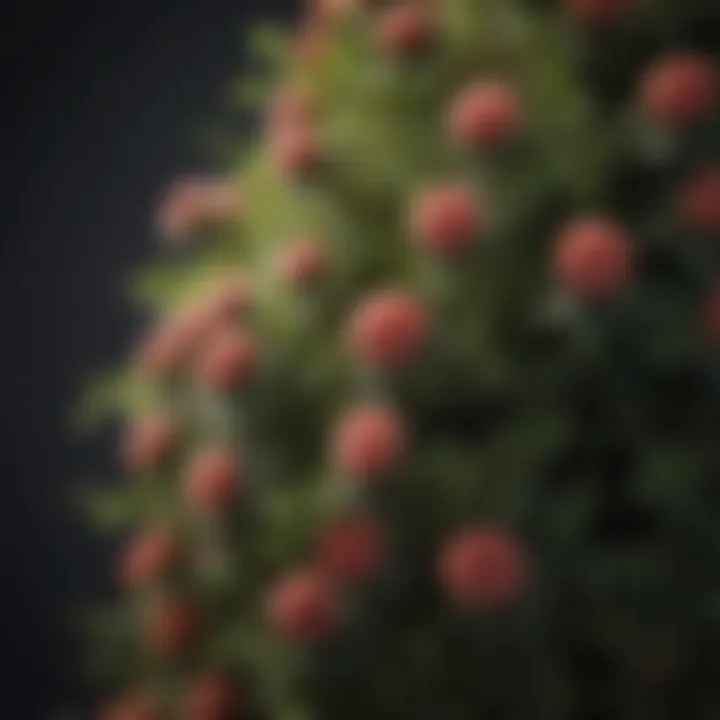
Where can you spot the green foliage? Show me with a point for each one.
(588, 429)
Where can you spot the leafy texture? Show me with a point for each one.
(426, 427)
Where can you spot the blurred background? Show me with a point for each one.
(103, 104)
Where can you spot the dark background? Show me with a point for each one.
(103, 104)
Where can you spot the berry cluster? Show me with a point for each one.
(215, 351)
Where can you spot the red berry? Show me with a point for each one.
(593, 257)
(331, 10)
(598, 13)
(191, 203)
(447, 220)
(181, 209)
(149, 443)
(228, 361)
(134, 706)
(370, 443)
(224, 202)
(214, 479)
(296, 150)
(402, 29)
(388, 330)
(211, 697)
(486, 114)
(173, 627)
(679, 90)
(303, 262)
(699, 201)
(169, 346)
(147, 557)
(301, 607)
(483, 567)
(291, 107)
(225, 300)
(350, 551)
(311, 43)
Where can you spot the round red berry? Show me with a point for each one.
(133, 706)
(296, 150)
(224, 202)
(483, 567)
(311, 43)
(403, 29)
(214, 479)
(597, 13)
(211, 697)
(173, 627)
(228, 360)
(301, 607)
(388, 330)
(699, 201)
(350, 550)
(486, 114)
(679, 90)
(291, 107)
(192, 203)
(149, 443)
(370, 443)
(447, 220)
(147, 557)
(181, 209)
(169, 346)
(331, 10)
(226, 300)
(593, 257)
(303, 262)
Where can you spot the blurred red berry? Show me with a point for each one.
(149, 443)
(212, 697)
(485, 115)
(135, 706)
(228, 360)
(291, 107)
(699, 200)
(403, 29)
(147, 557)
(224, 202)
(679, 90)
(170, 345)
(304, 261)
(593, 257)
(311, 43)
(173, 627)
(296, 150)
(331, 10)
(598, 13)
(483, 567)
(447, 220)
(225, 300)
(181, 209)
(350, 550)
(301, 607)
(388, 330)
(214, 479)
(191, 203)
(370, 443)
